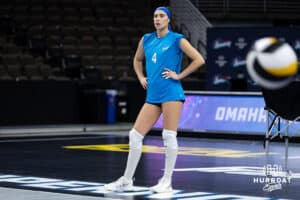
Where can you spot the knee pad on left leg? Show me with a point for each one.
(170, 139)
(135, 139)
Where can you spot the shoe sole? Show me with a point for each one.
(125, 190)
(166, 191)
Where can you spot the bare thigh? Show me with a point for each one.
(171, 114)
(147, 117)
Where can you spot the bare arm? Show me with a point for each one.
(138, 64)
(193, 54)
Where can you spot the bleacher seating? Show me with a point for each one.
(101, 33)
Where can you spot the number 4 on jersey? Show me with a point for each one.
(154, 58)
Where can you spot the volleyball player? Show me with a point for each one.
(162, 51)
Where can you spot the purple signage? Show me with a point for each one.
(222, 113)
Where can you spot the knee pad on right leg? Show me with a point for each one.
(170, 139)
(135, 139)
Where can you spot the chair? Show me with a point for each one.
(71, 49)
(53, 19)
(11, 48)
(283, 109)
(70, 20)
(85, 11)
(72, 64)
(123, 60)
(98, 31)
(22, 20)
(15, 71)
(91, 73)
(5, 10)
(20, 9)
(52, 3)
(122, 40)
(70, 40)
(88, 50)
(54, 56)
(53, 40)
(105, 60)
(32, 72)
(84, 30)
(26, 59)
(122, 21)
(117, 11)
(53, 31)
(46, 71)
(67, 4)
(7, 24)
(105, 21)
(88, 21)
(89, 60)
(38, 45)
(108, 73)
(101, 11)
(4, 74)
(125, 73)
(69, 31)
(36, 29)
(88, 40)
(38, 19)
(105, 50)
(104, 40)
(10, 59)
(122, 50)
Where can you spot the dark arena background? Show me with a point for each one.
(69, 96)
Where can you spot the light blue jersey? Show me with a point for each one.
(163, 53)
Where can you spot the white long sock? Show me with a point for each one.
(171, 145)
(134, 155)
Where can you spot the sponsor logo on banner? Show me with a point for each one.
(238, 62)
(97, 189)
(297, 45)
(221, 61)
(241, 43)
(245, 114)
(222, 43)
(221, 79)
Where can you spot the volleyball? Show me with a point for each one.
(272, 63)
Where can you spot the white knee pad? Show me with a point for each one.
(169, 138)
(135, 139)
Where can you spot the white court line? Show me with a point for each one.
(294, 157)
(53, 138)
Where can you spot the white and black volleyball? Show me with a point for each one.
(272, 63)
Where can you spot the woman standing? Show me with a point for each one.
(162, 50)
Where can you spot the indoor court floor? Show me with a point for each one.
(78, 166)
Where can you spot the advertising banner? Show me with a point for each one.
(226, 113)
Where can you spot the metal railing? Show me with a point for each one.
(251, 9)
(191, 22)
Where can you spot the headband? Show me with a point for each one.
(165, 10)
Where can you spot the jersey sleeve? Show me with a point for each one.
(145, 38)
(178, 37)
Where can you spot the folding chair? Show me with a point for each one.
(283, 109)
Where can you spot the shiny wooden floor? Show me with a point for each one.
(205, 169)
